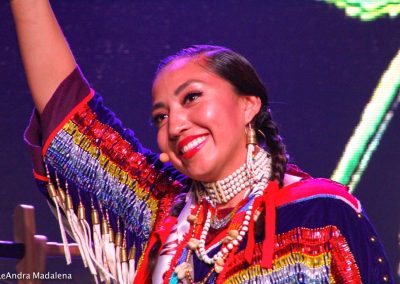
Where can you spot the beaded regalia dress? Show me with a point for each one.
(116, 197)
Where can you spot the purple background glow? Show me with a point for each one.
(320, 68)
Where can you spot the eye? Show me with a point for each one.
(159, 119)
(190, 97)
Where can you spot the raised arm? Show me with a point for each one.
(46, 55)
(85, 160)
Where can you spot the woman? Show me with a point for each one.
(234, 213)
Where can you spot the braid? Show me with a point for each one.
(274, 144)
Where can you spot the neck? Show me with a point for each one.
(233, 188)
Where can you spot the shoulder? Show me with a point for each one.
(316, 188)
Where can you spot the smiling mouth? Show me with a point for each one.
(196, 142)
(190, 145)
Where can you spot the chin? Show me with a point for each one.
(203, 176)
(198, 169)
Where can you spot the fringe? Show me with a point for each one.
(118, 263)
(86, 244)
(132, 271)
(125, 272)
(63, 234)
(57, 202)
(97, 242)
(132, 262)
(77, 235)
(109, 255)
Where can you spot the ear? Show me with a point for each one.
(251, 106)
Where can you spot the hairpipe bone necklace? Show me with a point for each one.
(196, 244)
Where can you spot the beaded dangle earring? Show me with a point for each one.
(251, 143)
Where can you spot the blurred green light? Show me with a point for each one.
(368, 133)
(368, 10)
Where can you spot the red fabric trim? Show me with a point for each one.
(143, 275)
(270, 224)
(266, 201)
(314, 187)
(39, 177)
(64, 121)
(216, 238)
(213, 239)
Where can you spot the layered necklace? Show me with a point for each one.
(222, 191)
(201, 217)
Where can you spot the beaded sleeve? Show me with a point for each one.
(84, 158)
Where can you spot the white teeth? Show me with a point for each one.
(193, 144)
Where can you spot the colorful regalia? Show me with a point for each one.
(116, 197)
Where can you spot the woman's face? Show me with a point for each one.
(201, 120)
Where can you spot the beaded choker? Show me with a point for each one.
(222, 191)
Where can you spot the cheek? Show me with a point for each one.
(209, 113)
(221, 115)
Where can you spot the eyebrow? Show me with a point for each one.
(185, 84)
(157, 106)
(176, 92)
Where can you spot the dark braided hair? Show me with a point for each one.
(238, 71)
(274, 144)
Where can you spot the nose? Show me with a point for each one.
(178, 123)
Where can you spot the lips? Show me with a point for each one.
(189, 146)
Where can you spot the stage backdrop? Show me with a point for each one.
(322, 65)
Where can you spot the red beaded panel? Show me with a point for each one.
(112, 145)
(307, 242)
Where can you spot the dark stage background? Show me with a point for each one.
(321, 68)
